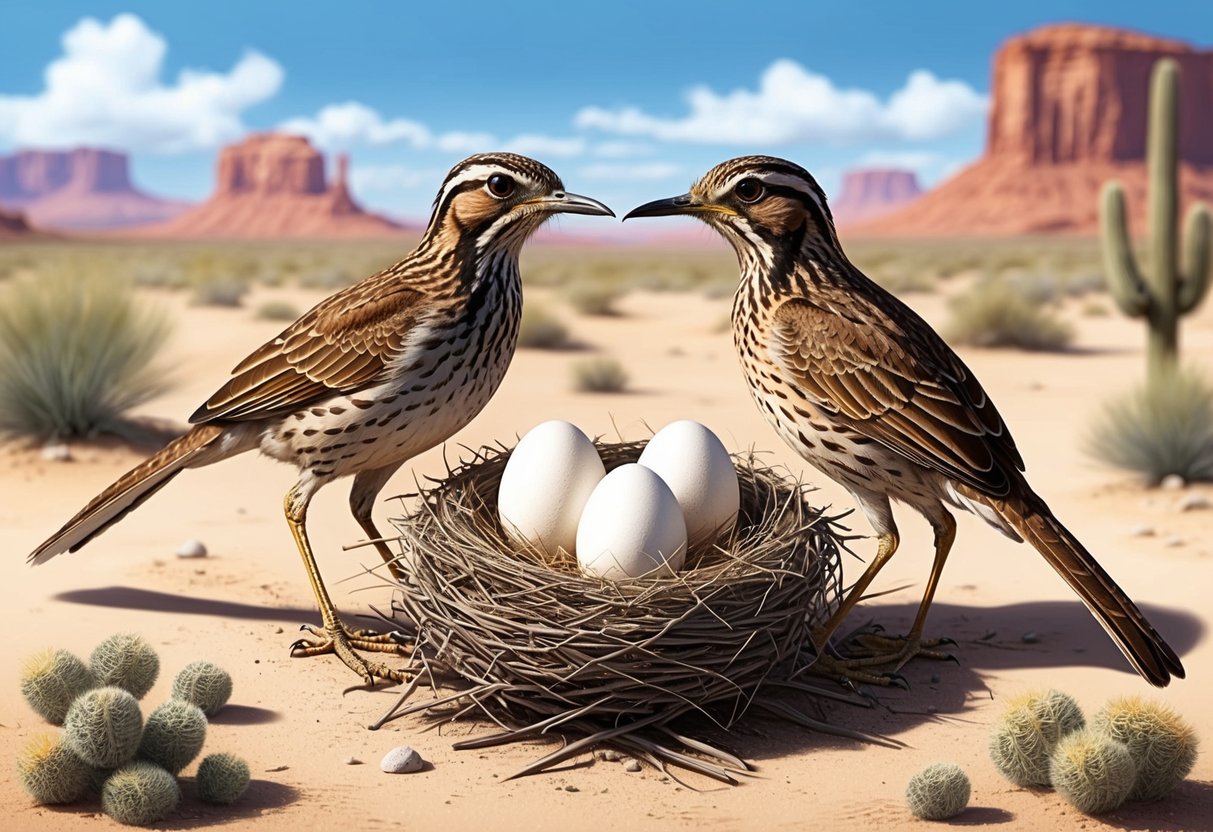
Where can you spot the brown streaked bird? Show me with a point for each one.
(869, 394)
(371, 376)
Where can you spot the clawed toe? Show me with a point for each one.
(343, 643)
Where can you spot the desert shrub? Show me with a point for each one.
(75, 357)
(994, 314)
(594, 298)
(541, 330)
(1162, 427)
(277, 310)
(219, 291)
(325, 278)
(599, 375)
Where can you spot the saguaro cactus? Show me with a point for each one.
(1174, 289)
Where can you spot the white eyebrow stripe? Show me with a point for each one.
(483, 172)
(786, 180)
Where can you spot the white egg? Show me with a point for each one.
(545, 485)
(697, 468)
(631, 527)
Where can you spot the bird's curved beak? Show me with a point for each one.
(683, 204)
(563, 202)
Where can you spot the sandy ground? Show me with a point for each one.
(240, 606)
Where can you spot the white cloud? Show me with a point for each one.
(635, 172)
(105, 89)
(793, 104)
(622, 149)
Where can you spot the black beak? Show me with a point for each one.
(663, 207)
(563, 202)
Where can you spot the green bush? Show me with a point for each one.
(599, 375)
(994, 314)
(75, 356)
(1163, 427)
(279, 310)
(220, 291)
(541, 330)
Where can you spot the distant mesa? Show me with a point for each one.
(271, 186)
(868, 193)
(86, 189)
(1069, 112)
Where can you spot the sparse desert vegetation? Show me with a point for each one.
(541, 330)
(599, 375)
(995, 314)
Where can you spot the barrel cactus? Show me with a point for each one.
(206, 685)
(51, 772)
(140, 794)
(1029, 729)
(222, 778)
(104, 726)
(51, 680)
(173, 735)
(1092, 771)
(126, 660)
(938, 792)
(1162, 744)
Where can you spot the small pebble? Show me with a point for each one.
(351, 761)
(632, 765)
(1029, 638)
(1174, 541)
(1172, 482)
(610, 755)
(1142, 531)
(1194, 502)
(57, 452)
(401, 760)
(191, 548)
(571, 789)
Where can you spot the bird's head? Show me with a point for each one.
(500, 199)
(754, 201)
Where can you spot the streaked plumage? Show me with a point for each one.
(373, 375)
(866, 391)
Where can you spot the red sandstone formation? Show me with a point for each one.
(868, 193)
(13, 226)
(82, 189)
(1069, 112)
(271, 186)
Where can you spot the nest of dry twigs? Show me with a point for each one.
(529, 642)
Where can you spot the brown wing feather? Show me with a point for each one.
(909, 392)
(344, 344)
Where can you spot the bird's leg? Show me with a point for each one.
(872, 649)
(331, 636)
(366, 487)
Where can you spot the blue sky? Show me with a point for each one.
(626, 101)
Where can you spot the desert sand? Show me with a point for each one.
(241, 606)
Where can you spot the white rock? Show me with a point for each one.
(56, 452)
(351, 761)
(192, 548)
(1142, 530)
(632, 765)
(1175, 541)
(401, 760)
(1172, 482)
(1194, 502)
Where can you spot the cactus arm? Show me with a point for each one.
(1124, 280)
(1198, 251)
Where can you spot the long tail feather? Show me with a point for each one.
(1124, 622)
(131, 489)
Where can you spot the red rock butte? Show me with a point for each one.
(1069, 111)
(86, 189)
(868, 193)
(274, 186)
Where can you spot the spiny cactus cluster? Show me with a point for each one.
(1133, 749)
(107, 747)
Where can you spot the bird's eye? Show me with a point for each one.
(748, 190)
(500, 185)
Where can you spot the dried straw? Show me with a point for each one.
(529, 642)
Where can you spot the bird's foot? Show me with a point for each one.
(343, 643)
(869, 647)
(851, 674)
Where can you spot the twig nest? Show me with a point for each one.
(173, 735)
(938, 792)
(527, 639)
(51, 680)
(140, 794)
(1028, 731)
(1163, 746)
(204, 684)
(103, 727)
(222, 778)
(1092, 771)
(127, 661)
(51, 773)
(401, 760)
